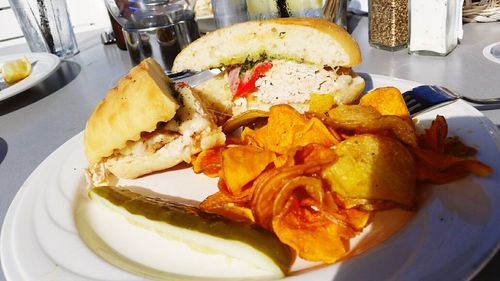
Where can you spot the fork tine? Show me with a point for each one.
(406, 96)
(415, 107)
(411, 103)
(424, 97)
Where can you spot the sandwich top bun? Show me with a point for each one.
(305, 40)
(139, 101)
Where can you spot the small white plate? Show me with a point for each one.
(452, 235)
(44, 64)
(487, 52)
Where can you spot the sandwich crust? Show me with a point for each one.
(136, 104)
(195, 130)
(305, 40)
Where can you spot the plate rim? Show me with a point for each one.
(24, 85)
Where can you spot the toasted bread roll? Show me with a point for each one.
(145, 125)
(140, 100)
(306, 40)
(284, 61)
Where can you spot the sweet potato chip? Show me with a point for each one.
(454, 146)
(314, 152)
(325, 242)
(373, 167)
(434, 137)
(285, 160)
(287, 129)
(279, 134)
(365, 119)
(303, 218)
(301, 222)
(440, 168)
(474, 166)
(242, 164)
(224, 205)
(270, 183)
(208, 162)
(427, 174)
(315, 132)
(434, 159)
(358, 219)
(312, 187)
(387, 101)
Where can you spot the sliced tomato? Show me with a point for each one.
(247, 84)
(233, 76)
(182, 84)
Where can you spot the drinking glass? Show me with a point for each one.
(46, 26)
(265, 9)
(332, 10)
(228, 12)
(155, 28)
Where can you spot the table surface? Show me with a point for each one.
(33, 124)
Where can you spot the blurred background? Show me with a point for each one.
(85, 16)
(92, 15)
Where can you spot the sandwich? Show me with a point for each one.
(146, 124)
(274, 61)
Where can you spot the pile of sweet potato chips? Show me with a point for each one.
(315, 179)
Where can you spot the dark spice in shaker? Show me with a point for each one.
(283, 8)
(45, 27)
(388, 24)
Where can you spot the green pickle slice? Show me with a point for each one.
(202, 231)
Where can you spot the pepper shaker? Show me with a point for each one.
(388, 24)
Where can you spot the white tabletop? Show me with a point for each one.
(35, 123)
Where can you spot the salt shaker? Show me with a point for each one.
(388, 24)
(435, 26)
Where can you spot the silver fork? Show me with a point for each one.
(428, 97)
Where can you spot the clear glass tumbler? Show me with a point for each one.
(332, 10)
(228, 12)
(266, 9)
(159, 29)
(46, 26)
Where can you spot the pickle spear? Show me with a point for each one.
(202, 231)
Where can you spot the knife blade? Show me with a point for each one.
(193, 79)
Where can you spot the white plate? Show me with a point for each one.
(44, 65)
(453, 233)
